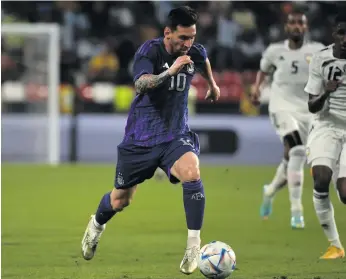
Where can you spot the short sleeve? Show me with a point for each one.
(314, 85)
(267, 60)
(198, 55)
(142, 65)
(144, 60)
(320, 46)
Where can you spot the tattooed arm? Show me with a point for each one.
(148, 81)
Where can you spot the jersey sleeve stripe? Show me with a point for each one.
(326, 63)
(145, 48)
(201, 49)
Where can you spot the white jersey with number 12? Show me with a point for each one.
(323, 68)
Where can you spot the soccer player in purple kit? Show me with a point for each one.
(157, 133)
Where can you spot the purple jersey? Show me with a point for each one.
(161, 114)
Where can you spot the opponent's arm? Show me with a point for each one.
(318, 93)
(316, 102)
(259, 80)
(266, 66)
(148, 81)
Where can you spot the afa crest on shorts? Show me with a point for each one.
(120, 179)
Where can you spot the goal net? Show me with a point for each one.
(30, 61)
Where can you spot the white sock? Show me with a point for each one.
(279, 179)
(325, 214)
(193, 238)
(159, 172)
(295, 179)
(295, 189)
(96, 224)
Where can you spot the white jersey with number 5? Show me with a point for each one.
(324, 67)
(290, 76)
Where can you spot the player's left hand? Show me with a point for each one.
(213, 93)
(332, 85)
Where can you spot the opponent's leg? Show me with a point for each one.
(111, 203)
(280, 178)
(269, 191)
(341, 180)
(335, 178)
(295, 177)
(336, 250)
(159, 174)
(341, 188)
(295, 155)
(186, 169)
(322, 174)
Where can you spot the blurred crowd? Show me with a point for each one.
(99, 38)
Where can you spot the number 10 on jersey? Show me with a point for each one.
(178, 82)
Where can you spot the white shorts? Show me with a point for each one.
(286, 122)
(326, 146)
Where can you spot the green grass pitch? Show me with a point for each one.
(45, 211)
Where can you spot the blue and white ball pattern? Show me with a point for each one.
(217, 260)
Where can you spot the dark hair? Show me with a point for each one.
(184, 16)
(339, 18)
(295, 11)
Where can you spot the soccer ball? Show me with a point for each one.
(216, 260)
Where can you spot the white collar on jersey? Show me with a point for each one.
(286, 42)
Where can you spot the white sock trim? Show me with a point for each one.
(96, 224)
(194, 233)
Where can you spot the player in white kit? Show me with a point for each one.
(288, 110)
(327, 140)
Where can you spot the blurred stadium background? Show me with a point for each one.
(97, 43)
(40, 237)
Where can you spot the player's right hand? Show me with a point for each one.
(255, 95)
(332, 85)
(178, 64)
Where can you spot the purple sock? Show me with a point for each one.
(105, 211)
(194, 203)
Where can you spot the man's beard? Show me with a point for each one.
(296, 38)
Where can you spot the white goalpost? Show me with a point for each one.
(41, 131)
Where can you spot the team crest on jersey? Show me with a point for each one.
(308, 57)
(190, 68)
